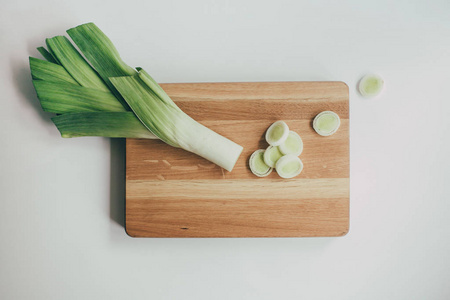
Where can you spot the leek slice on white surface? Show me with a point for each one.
(371, 85)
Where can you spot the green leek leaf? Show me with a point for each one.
(57, 97)
(105, 124)
(155, 87)
(47, 55)
(74, 63)
(157, 116)
(44, 70)
(173, 126)
(49, 49)
(101, 53)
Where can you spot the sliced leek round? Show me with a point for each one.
(277, 133)
(272, 155)
(257, 164)
(292, 145)
(371, 85)
(326, 123)
(289, 166)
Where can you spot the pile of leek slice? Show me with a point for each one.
(282, 154)
(94, 93)
(285, 147)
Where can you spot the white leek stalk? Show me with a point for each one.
(167, 121)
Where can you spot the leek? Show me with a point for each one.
(371, 85)
(326, 123)
(97, 94)
(283, 157)
(47, 55)
(257, 164)
(50, 72)
(277, 133)
(292, 145)
(272, 155)
(289, 166)
(106, 124)
(173, 126)
(60, 97)
(74, 63)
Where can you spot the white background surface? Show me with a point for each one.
(62, 199)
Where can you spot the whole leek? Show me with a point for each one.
(105, 97)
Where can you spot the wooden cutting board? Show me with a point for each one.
(173, 193)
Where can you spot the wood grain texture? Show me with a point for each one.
(174, 193)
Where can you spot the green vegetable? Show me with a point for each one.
(284, 157)
(168, 122)
(257, 164)
(61, 97)
(272, 155)
(371, 85)
(50, 72)
(326, 123)
(102, 54)
(106, 124)
(289, 166)
(277, 133)
(105, 97)
(74, 63)
(292, 145)
(47, 55)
